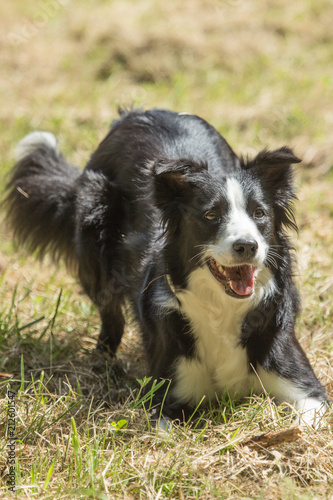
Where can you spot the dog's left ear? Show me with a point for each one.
(274, 167)
(274, 170)
(172, 181)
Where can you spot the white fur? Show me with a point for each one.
(311, 412)
(216, 320)
(33, 140)
(239, 226)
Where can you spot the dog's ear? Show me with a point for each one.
(273, 166)
(173, 180)
(274, 170)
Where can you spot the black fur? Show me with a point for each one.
(40, 203)
(134, 216)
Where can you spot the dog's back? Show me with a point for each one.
(138, 138)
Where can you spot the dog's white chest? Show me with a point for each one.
(221, 362)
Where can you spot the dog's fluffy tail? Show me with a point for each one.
(40, 203)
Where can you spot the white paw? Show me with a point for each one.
(311, 413)
(159, 423)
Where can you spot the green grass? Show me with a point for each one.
(262, 73)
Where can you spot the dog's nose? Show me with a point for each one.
(245, 248)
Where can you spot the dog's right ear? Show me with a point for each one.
(173, 181)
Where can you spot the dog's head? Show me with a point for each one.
(232, 224)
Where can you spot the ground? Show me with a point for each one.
(261, 72)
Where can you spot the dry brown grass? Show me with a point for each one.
(262, 73)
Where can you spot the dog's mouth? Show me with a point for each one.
(238, 281)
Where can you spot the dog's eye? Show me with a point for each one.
(259, 213)
(211, 215)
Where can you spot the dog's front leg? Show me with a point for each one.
(167, 339)
(288, 377)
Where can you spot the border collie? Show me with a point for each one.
(167, 218)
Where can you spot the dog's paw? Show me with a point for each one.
(311, 413)
(159, 423)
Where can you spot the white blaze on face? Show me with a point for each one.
(239, 225)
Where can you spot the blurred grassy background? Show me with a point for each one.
(260, 71)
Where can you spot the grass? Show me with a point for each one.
(262, 73)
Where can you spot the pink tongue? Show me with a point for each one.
(241, 279)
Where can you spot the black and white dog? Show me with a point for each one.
(167, 218)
